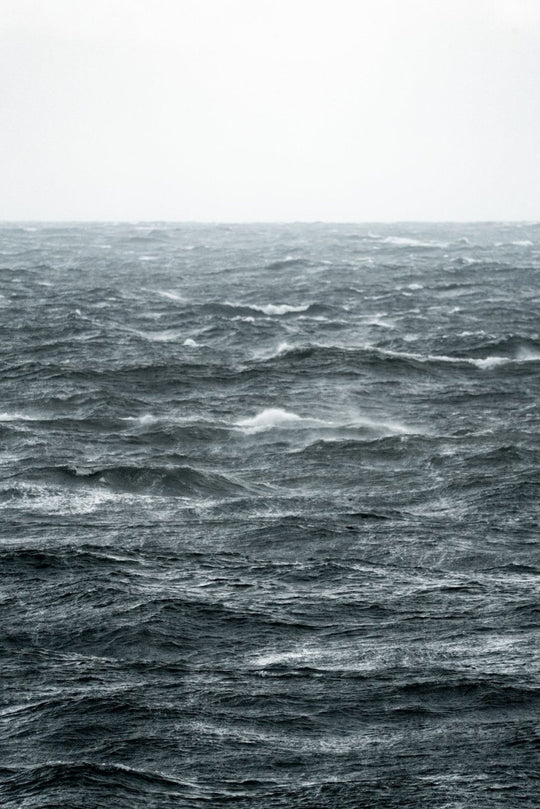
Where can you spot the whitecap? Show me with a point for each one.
(377, 320)
(283, 348)
(145, 418)
(385, 426)
(191, 343)
(402, 241)
(46, 501)
(18, 417)
(247, 319)
(279, 309)
(166, 336)
(173, 296)
(271, 308)
(319, 318)
(526, 355)
(275, 417)
(489, 362)
(479, 362)
(278, 418)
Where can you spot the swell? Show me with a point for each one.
(351, 358)
(231, 309)
(177, 481)
(61, 780)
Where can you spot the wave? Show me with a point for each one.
(165, 336)
(168, 481)
(320, 354)
(283, 348)
(171, 295)
(402, 241)
(58, 779)
(286, 263)
(270, 308)
(370, 352)
(383, 440)
(277, 418)
(18, 417)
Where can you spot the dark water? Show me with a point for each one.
(270, 516)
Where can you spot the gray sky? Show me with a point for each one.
(242, 110)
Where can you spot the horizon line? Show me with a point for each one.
(273, 221)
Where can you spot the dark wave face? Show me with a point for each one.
(270, 516)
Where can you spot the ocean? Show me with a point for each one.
(270, 515)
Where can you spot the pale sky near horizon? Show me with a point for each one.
(265, 110)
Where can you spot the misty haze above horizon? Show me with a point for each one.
(270, 111)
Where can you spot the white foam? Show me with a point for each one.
(526, 355)
(18, 417)
(402, 241)
(271, 308)
(146, 418)
(147, 258)
(276, 417)
(46, 501)
(489, 362)
(173, 296)
(481, 362)
(166, 336)
(320, 319)
(392, 427)
(283, 348)
(279, 309)
(191, 343)
(378, 321)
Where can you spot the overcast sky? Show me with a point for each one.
(242, 110)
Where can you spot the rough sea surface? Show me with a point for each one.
(270, 516)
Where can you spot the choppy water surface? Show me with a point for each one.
(269, 515)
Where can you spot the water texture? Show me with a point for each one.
(269, 516)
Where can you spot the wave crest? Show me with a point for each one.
(270, 308)
(179, 481)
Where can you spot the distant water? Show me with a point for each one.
(270, 516)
